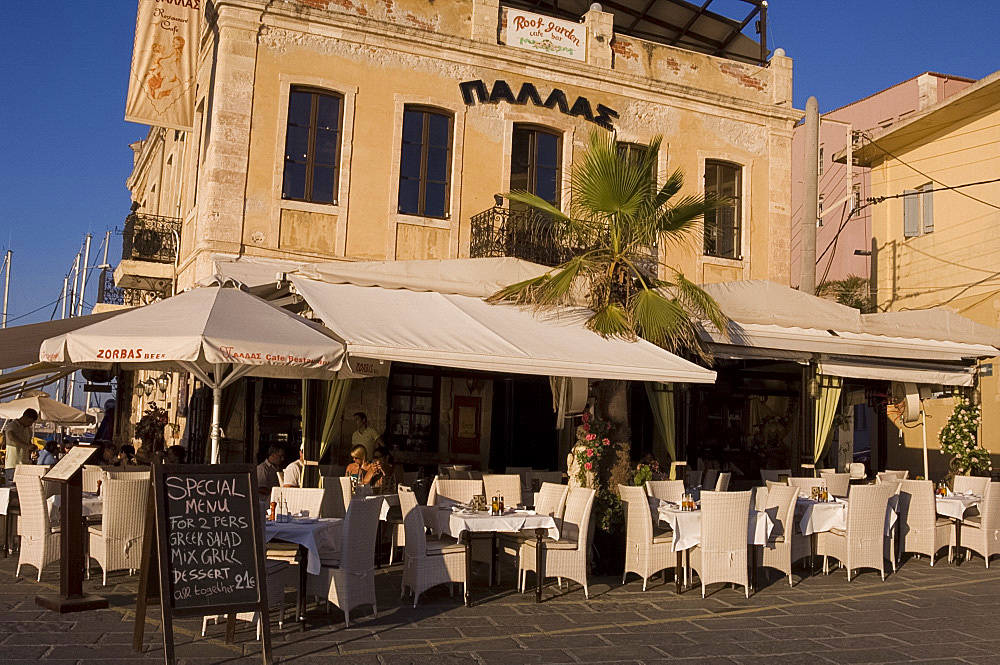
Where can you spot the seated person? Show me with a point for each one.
(126, 454)
(176, 455)
(383, 469)
(267, 471)
(359, 468)
(293, 472)
(49, 454)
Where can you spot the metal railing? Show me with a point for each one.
(109, 294)
(150, 238)
(533, 236)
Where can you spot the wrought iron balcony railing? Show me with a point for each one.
(109, 294)
(150, 238)
(533, 236)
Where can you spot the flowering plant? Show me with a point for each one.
(958, 438)
(648, 468)
(592, 446)
(149, 429)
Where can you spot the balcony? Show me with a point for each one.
(533, 236)
(149, 250)
(150, 238)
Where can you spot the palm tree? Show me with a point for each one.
(621, 212)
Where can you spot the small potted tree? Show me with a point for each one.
(149, 431)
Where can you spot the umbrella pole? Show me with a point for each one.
(923, 427)
(216, 417)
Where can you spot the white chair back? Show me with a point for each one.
(974, 484)
(91, 474)
(123, 514)
(837, 483)
(299, 500)
(507, 485)
(34, 513)
(666, 490)
(577, 516)
(357, 550)
(638, 519)
(806, 484)
(725, 516)
(780, 506)
(459, 491)
(552, 500)
(413, 523)
(722, 483)
(857, 470)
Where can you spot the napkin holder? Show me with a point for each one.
(478, 503)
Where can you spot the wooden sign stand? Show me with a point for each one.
(182, 510)
(71, 598)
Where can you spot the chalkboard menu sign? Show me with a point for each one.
(210, 537)
(209, 546)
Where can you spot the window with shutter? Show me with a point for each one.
(911, 213)
(927, 205)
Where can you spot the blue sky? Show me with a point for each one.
(64, 153)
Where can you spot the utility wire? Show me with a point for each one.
(880, 199)
(870, 140)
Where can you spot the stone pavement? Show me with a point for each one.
(944, 614)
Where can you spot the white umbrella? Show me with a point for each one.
(218, 333)
(49, 410)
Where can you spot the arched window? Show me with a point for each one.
(723, 225)
(536, 161)
(312, 146)
(425, 162)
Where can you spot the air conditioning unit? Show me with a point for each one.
(906, 397)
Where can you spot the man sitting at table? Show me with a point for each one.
(293, 472)
(267, 471)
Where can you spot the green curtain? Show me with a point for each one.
(335, 399)
(661, 399)
(824, 409)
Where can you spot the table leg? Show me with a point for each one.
(6, 534)
(958, 542)
(378, 545)
(494, 573)
(538, 564)
(679, 572)
(467, 536)
(752, 552)
(303, 565)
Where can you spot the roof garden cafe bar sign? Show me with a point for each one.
(547, 35)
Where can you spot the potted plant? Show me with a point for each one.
(149, 431)
(958, 438)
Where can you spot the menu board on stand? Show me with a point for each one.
(205, 523)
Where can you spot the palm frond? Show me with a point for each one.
(553, 288)
(680, 219)
(536, 202)
(607, 184)
(611, 320)
(699, 303)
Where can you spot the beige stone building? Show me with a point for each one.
(340, 130)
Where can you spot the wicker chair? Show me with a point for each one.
(92, 473)
(839, 484)
(646, 552)
(921, 530)
(975, 484)
(898, 475)
(722, 483)
(666, 490)
(806, 484)
(460, 491)
(552, 502)
(566, 557)
(336, 496)
(116, 543)
(299, 499)
(347, 579)
(709, 479)
(862, 545)
(279, 576)
(127, 475)
(427, 563)
(508, 486)
(857, 471)
(784, 546)
(722, 554)
(39, 539)
(981, 533)
(774, 475)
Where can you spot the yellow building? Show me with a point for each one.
(383, 130)
(938, 233)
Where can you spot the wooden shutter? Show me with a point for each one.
(911, 213)
(927, 203)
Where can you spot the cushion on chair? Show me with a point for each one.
(665, 537)
(839, 532)
(443, 547)
(551, 544)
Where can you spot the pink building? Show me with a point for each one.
(835, 252)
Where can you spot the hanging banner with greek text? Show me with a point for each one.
(546, 35)
(164, 58)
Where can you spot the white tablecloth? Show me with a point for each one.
(388, 502)
(456, 522)
(817, 516)
(954, 506)
(686, 526)
(318, 536)
(91, 504)
(5, 493)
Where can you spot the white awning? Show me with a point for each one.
(904, 372)
(450, 330)
(19, 344)
(841, 342)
